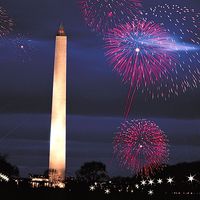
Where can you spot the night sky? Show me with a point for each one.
(95, 93)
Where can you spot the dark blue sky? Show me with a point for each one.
(95, 94)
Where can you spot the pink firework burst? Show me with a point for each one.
(141, 146)
(101, 15)
(141, 52)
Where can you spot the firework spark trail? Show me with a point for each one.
(141, 146)
(101, 15)
(6, 23)
(141, 53)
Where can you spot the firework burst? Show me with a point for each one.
(101, 15)
(142, 53)
(182, 24)
(141, 146)
(23, 47)
(6, 23)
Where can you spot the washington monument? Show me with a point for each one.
(57, 155)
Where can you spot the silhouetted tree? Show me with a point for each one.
(46, 173)
(7, 168)
(92, 171)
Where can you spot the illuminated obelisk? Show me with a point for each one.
(57, 155)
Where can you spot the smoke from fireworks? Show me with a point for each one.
(101, 15)
(141, 146)
(142, 53)
(6, 23)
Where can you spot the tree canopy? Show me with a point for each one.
(92, 171)
(7, 168)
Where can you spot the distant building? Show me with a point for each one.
(37, 181)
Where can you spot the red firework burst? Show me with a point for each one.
(141, 146)
(141, 52)
(101, 15)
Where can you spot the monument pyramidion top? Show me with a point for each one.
(61, 31)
